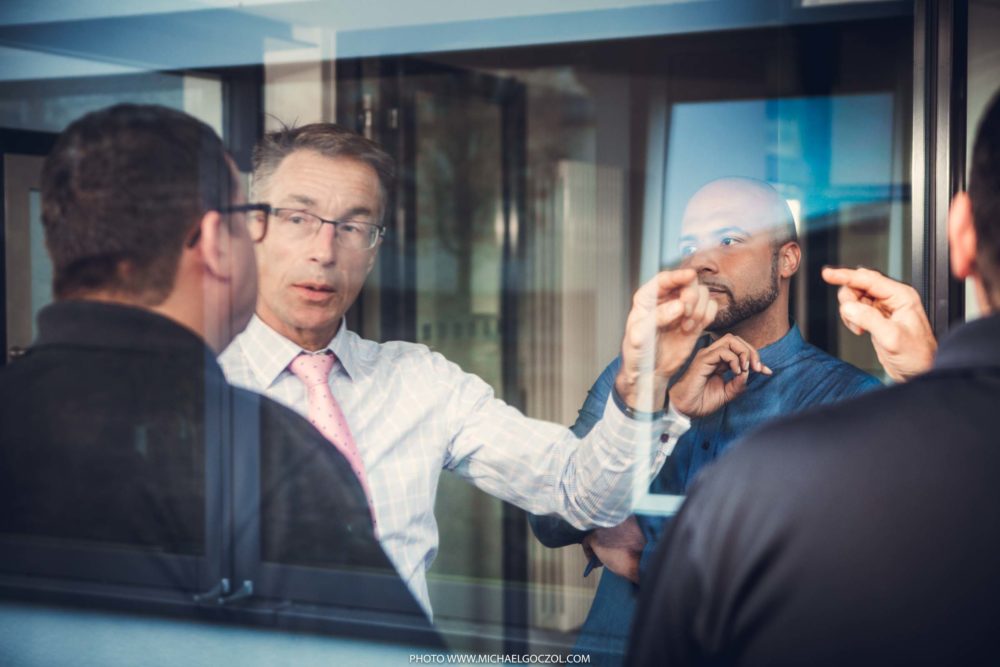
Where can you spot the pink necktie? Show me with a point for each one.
(325, 413)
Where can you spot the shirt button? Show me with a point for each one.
(665, 438)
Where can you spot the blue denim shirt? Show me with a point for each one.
(804, 376)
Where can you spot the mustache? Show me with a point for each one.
(717, 286)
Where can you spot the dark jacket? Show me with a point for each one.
(863, 533)
(104, 429)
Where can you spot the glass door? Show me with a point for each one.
(448, 276)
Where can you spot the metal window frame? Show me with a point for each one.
(940, 63)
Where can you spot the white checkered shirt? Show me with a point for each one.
(412, 412)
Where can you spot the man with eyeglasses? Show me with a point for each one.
(106, 420)
(401, 413)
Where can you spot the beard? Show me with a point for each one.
(752, 304)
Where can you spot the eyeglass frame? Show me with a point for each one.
(239, 208)
(379, 229)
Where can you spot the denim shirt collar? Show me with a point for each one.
(785, 350)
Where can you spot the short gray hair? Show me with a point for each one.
(329, 140)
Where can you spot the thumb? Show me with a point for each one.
(867, 318)
(736, 386)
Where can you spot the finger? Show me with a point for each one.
(867, 318)
(710, 313)
(847, 295)
(661, 287)
(698, 313)
(723, 356)
(747, 354)
(735, 387)
(753, 356)
(689, 297)
(872, 282)
(669, 314)
(669, 281)
(732, 343)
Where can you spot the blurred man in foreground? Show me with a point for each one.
(112, 421)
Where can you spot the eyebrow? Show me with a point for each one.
(356, 211)
(731, 230)
(309, 202)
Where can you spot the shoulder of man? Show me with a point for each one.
(313, 508)
(290, 442)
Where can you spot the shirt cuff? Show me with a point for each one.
(675, 424)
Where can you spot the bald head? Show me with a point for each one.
(746, 204)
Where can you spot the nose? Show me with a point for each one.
(323, 247)
(702, 261)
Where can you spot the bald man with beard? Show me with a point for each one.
(739, 235)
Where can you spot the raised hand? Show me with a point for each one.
(619, 549)
(702, 389)
(668, 314)
(892, 313)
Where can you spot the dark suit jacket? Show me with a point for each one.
(104, 426)
(864, 533)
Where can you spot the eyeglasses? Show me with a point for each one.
(296, 225)
(255, 220)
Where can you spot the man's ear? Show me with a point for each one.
(214, 245)
(789, 258)
(962, 236)
(373, 256)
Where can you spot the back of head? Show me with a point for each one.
(984, 191)
(121, 191)
(329, 140)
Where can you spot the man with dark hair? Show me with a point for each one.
(106, 421)
(739, 235)
(399, 412)
(865, 533)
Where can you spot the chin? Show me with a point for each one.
(317, 324)
(720, 323)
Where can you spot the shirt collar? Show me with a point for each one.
(783, 350)
(268, 353)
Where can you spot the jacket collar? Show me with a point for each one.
(975, 344)
(110, 325)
